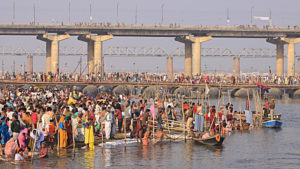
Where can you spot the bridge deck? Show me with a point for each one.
(164, 84)
(151, 31)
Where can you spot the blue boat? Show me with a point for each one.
(272, 124)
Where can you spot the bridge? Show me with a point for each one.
(151, 30)
(144, 84)
(134, 51)
(192, 36)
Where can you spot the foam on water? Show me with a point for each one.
(131, 141)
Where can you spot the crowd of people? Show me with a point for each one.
(38, 119)
(250, 79)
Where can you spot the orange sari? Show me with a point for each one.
(63, 136)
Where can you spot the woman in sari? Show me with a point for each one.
(10, 149)
(4, 130)
(63, 136)
(89, 134)
(23, 136)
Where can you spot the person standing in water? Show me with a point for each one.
(272, 108)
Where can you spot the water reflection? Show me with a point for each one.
(190, 153)
(89, 159)
(107, 156)
(146, 152)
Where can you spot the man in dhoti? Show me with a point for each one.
(107, 122)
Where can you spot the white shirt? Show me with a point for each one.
(18, 157)
(10, 115)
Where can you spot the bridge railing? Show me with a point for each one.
(132, 26)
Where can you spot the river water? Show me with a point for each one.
(257, 148)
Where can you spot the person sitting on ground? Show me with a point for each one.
(19, 156)
(43, 150)
(27, 153)
(10, 149)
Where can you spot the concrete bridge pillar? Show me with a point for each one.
(29, 64)
(236, 66)
(291, 54)
(194, 68)
(197, 52)
(279, 55)
(95, 53)
(298, 67)
(170, 67)
(188, 55)
(52, 50)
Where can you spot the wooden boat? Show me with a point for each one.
(215, 140)
(272, 124)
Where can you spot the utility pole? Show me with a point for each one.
(117, 11)
(14, 11)
(91, 18)
(162, 14)
(136, 13)
(34, 13)
(270, 18)
(251, 19)
(14, 66)
(228, 19)
(69, 12)
(80, 66)
(2, 67)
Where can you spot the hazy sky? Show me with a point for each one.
(184, 12)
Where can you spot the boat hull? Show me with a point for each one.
(212, 141)
(272, 124)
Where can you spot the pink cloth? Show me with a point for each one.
(22, 138)
(152, 111)
(10, 149)
(206, 135)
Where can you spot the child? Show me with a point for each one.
(19, 155)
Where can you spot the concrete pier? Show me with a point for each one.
(279, 55)
(188, 55)
(52, 50)
(236, 66)
(298, 67)
(197, 52)
(29, 64)
(192, 66)
(188, 58)
(95, 53)
(170, 67)
(291, 54)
